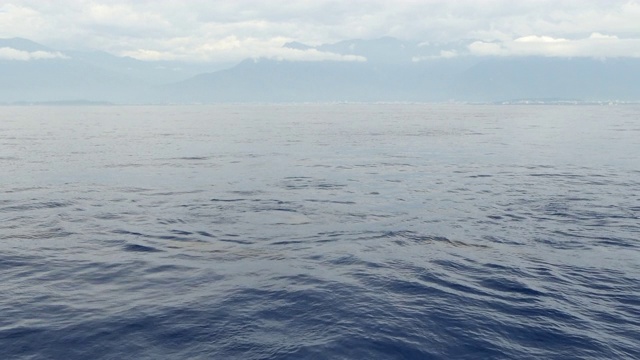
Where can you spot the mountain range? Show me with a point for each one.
(384, 69)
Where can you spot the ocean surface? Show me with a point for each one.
(336, 231)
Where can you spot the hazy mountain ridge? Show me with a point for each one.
(457, 79)
(23, 45)
(71, 75)
(395, 70)
(586, 79)
(274, 80)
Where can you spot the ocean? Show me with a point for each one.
(320, 231)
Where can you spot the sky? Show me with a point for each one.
(227, 31)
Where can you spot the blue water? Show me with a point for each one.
(320, 231)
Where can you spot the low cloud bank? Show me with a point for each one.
(7, 53)
(597, 45)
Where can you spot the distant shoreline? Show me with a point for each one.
(453, 102)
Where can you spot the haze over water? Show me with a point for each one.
(320, 231)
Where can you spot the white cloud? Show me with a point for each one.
(595, 45)
(126, 20)
(482, 48)
(312, 55)
(233, 48)
(7, 53)
(224, 30)
(444, 54)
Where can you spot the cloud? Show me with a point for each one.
(312, 55)
(125, 20)
(233, 48)
(482, 48)
(7, 53)
(222, 30)
(443, 54)
(595, 45)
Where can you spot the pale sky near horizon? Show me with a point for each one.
(232, 30)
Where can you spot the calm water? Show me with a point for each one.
(320, 231)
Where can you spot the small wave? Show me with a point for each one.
(140, 248)
(36, 206)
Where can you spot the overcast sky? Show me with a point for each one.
(221, 31)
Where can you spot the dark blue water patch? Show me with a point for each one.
(36, 205)
(287, 242)
(11, 262)
(363, 347)
(277, 209)
(227, 200)
(194, 158)
(205, 234)
(140, 248)
(108, 216)
(105, 273)
(550, 341)
(630, 301)
(331, 202)
(95, 339)
(412, 237)
(174, 235)
(510, 286)
(236, 241)
(560, 243)
(301, 183)
(613, 242)
(171, 221)
(126, 232)
(171, 237)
